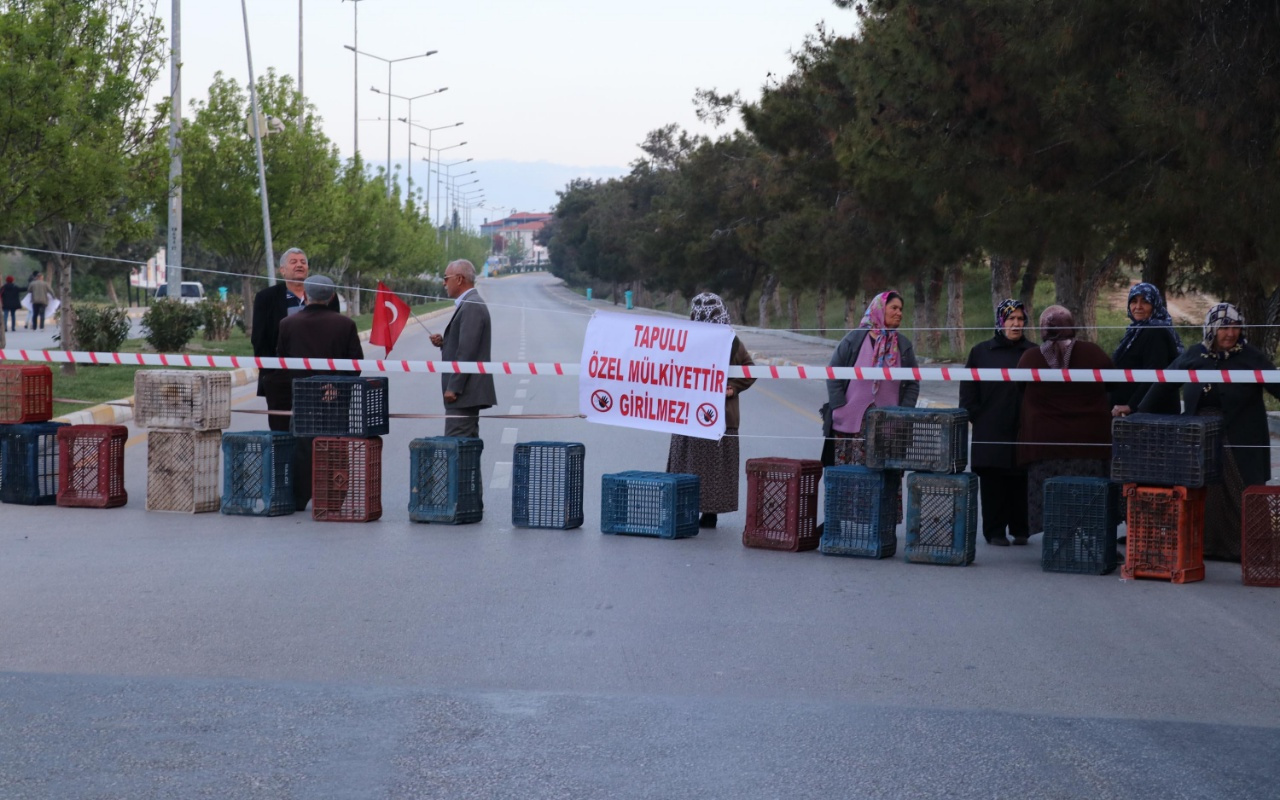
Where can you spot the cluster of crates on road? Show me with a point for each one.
(1160, 468)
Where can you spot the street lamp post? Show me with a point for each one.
(390, 62)
(409, 155)
(409, 121)
(438, 152)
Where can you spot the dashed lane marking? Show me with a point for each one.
(501, 475)
(510, 435)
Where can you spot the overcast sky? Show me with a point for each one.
(570, 82)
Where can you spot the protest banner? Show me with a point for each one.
(655, 373)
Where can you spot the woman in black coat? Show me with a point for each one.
(1150, 342)
(1246, 459)
(993, 411)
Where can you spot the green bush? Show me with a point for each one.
(99, 328)
(170, 324)
(218, 318)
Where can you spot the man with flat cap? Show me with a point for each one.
(316, 331)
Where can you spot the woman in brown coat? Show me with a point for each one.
(1064, 428)
(716, 463)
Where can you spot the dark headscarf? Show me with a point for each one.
(1220, 316)
(708, 307)
(1058, 332)
(1159, 319)
(1003, 311)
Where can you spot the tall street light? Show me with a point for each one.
(435, 211)
(409, 155)
(409, 121)
(390, 62)
(438, 152)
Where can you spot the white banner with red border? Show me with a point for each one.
(655, 373)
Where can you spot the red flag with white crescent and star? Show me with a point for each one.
(390, 315)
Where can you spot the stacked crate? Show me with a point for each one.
(1260, 536)
(942, 499)
(445, 485)
(782, 504)
(257, 473)
(1080, 518)
(185, 412)
(1164, 463)
(341, 417)
(547, 483)
(28, 440)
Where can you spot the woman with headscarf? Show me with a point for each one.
(1246, 459)
(716, 463)
(1064, 428)
(874, 343)
(993, 412)
(1150, 342)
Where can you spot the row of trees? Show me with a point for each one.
(87, 163)
(1065, 140)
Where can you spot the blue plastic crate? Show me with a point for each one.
(257, 473)
(1166, 450)
(547, 488)
(29, 463)
(659, 504)
(925, 439)
(444, 480)
(942, 518)
(861, 519)
(1080, 525)
(340, 405)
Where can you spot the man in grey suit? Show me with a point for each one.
(467, 338)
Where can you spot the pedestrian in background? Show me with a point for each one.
(717, 463)
(40, 294)
(10, 302)
(1064, 428)
(1150, 342)
(993, 408)
(467, 338)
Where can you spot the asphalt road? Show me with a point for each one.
(170, 656)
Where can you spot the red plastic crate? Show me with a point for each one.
(26, 393)
(1260, 536)
(346, 479)
(782, 504)
(1166, 533)
(91, 466)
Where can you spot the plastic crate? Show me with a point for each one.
(257, 473)
(942, 518)
(26, 393)
(861, 518)
(91, 466)
(340, 405)
(1260, 536)
(346, 479)
(782, 504)
(182, 471)
(1166, 533)
(661, 504)
(29, 463)
(1080, 516)
(445, 484)
(1166, 450)
(196, 400)
(547, 488)
(925, 439)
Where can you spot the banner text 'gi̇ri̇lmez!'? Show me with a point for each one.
(656, 374)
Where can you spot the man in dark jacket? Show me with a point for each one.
(270, 306)
(316, 331)
(467, 338)
(10, 301)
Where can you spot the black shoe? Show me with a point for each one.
(1122, 539)
(1020, 540)
(998, 541)
(707, 521)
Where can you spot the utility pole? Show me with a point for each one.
(257, 141)
(173, 251)
(300, 92)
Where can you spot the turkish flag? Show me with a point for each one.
(390, 314)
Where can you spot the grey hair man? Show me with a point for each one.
(467, 338)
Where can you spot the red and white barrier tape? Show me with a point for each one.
(810, 373)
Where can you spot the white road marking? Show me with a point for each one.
(510, 435)
(501, 475)
(522, 394)
(523, 381)
(516, 410)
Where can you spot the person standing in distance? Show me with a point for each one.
(270, 306)
(467, 338)
(317, 331)
(40, 294)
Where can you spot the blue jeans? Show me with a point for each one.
(37, 315)
(10, 319)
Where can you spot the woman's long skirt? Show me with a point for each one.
(717, 465)
(1041, 471)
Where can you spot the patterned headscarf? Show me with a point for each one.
(886, 353)
(1222, 315)
(1058, 332)
(708, 307)
(1159, 318)
(1003, 311)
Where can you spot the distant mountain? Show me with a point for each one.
(519, 185)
